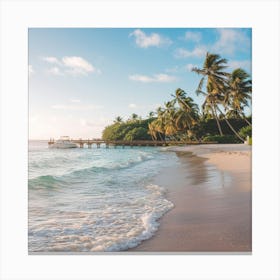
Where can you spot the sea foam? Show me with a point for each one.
(104, 201)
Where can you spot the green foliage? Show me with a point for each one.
(226, 95)
(250, 141)
(129, 130)
(209, 126)
(225, 139)
(137, 133)
(245, 131)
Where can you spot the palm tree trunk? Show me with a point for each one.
(218, 123)
(231, 127)
(160, 136)
(244, 118)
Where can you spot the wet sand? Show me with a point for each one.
(211, 193)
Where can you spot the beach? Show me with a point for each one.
(211, 193)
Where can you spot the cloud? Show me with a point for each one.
(73, 65)
(51, 59)
(55, 71)
(231, 40)
(192, 36)
(76, 107)
(77, 65)
(132, 105)
(153, 40)
(30, 70)
(190, 66)
(198, 51)
(157, 78)
(244, 64)
(75, 100)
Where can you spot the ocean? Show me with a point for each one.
(94, 200)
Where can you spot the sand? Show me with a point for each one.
(211, 193)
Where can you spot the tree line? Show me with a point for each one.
(225, 97)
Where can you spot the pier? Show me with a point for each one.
(89, 143)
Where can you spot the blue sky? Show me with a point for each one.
(81, 79)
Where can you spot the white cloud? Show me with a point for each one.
(198, 51)
(244, 64)
(231, 40)
(51, 59)
(30, 70)
(76, 107)
(73, 65)
(157, 78)
(153, 40)
(55, 71)
(132, 105)
(77, 65)
(193, 36)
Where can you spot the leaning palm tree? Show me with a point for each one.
(158, 125)
(170, 128)
(213, 73)
(187, 116)
(187, 104)
(152, 130)
(238, 94)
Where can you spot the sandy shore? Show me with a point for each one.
(211, 193)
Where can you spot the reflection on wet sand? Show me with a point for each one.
(212, 210)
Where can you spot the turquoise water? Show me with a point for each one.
(86, 200)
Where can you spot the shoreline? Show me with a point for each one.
(211, 193)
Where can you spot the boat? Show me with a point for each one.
(63, 143)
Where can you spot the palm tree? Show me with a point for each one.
(157, 126)
(151, 114)
(118, 119)
(189, 109)
(187, 115)
(134, 117)
(170, 118)
(152, 130)
(238, 94)
(213, 71)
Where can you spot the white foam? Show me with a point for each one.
(100, 211)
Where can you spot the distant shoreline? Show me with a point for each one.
(212, 210)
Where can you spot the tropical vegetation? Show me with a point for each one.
(221, 117)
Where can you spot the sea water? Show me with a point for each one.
(86, 200)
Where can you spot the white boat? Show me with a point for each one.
(63, 143)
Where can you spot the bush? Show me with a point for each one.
(129, 130)
(250, 141)
(245, 131)
(137, 133)
(225, 139)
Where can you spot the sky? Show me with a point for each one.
(81, 79)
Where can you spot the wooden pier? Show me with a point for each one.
(121, 143)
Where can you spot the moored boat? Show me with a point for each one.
(63, 143)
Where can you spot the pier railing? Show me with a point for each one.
(98, 142)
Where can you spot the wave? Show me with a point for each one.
(46, 181)
(112, 229)
(50, 180)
